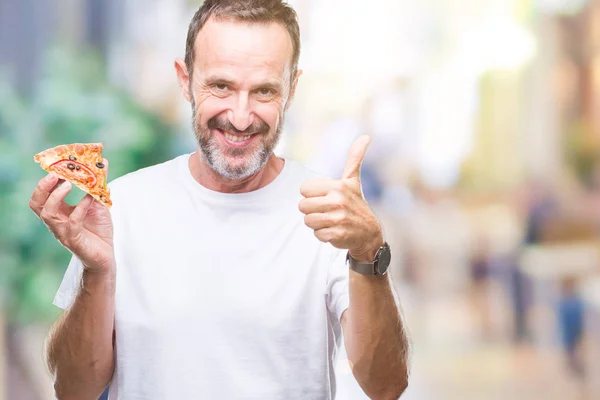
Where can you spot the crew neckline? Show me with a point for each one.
(268, 192)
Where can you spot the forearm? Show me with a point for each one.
(80, 347)
(375, 338)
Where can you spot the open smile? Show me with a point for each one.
(234, 140)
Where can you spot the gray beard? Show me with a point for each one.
(217, 160)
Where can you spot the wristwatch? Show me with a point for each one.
(379, 266)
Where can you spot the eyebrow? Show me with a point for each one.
(270, 84)
(219, 79)
(275, 85)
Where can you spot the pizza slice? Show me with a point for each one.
(81, 164)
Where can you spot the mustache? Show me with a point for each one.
(224, 125)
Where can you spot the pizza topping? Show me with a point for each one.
(75, 163)
(83, 174)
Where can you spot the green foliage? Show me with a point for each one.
(73, 103)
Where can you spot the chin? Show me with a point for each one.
(235, 170)
(233, 164)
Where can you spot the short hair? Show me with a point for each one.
(252, 11)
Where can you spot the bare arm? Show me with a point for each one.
(80, 345)
(375, 339)
(376, 342)
(79, 349)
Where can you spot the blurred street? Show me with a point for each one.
(451, 361)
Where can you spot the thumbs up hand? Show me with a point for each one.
(337, 211)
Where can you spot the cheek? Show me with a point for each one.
(271, 113)
(209, 107)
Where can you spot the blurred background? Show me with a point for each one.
(484, 167)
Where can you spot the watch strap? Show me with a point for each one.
(361, 267)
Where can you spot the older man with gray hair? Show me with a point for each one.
(228, 273)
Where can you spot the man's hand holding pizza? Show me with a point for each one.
(85, 229)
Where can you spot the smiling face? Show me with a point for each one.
(240, 88)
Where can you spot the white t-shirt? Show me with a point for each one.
(220, 296)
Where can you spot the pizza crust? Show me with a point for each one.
(81, 164)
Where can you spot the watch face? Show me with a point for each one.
(383, 260)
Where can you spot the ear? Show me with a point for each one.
(293, 89)
(183, 78)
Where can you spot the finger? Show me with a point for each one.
(317, 187)
(325, 235)
(319, 221)
(66, 209)
(54, 209)
(77, 216)
(315, 205)
(42, 191)
(356, 154)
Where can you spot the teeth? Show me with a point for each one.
(235, 138)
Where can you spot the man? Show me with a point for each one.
(226, 275)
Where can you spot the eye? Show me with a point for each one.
(265, 93)
(220, 87)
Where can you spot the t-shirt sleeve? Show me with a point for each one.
(70, 284)
(338, 298)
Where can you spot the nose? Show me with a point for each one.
(240, 114)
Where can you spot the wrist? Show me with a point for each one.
(101, 271)
(99, 276)
(369, 251)
(98, 279)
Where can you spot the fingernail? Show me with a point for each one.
(51, 176)
(66, 186)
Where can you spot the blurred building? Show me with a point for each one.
(29, 28)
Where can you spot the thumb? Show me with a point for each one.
(356, 154)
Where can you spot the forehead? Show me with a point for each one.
(225, 45)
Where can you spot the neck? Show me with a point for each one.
(207, 177)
